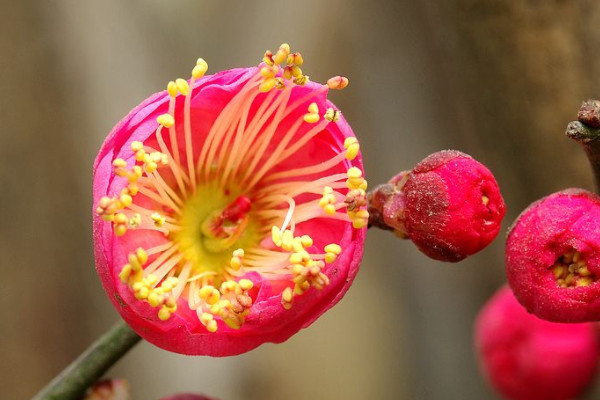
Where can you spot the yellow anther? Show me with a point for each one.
(136, 173)
(295, 258)
(350, 141)
(332, 115)
(269, 72)
(282, 54)
(166, 120)
(125, 200)
(327, 190)
(125, 273)
(171, 304)
(276, 236)
(140, 155)
(133, 189)
(205, 318)
(245, 284)
(142, 293)
(279, 83)
(287, 240)
(136, 265)
(352, 151)
(313, 108)
(157, 157)
(330, 257)
(354, 172)
(361, 219)
(210, 295)
(158, 219)
(297, 268)
(295, 58)
(333, 248)
(287, 296)
(311, 118)
(238, 253)
(172, 89)
(166, 286)
(285, 48)
(152, 279)
(136, 146)
(362, 214)
(154, 299)
(119, 163)
(329, 209)
(267, 85)
(584, 281)
(287, 72)
(141, 256)
(120, 218)
(297, 244)
(235, 263)
(301, 80)
(135, 221)
(296, 71)
(298, 60)
(306, 241)
(183, 86)
(150, 167)
(164, 314)
(211, 326)
(228, 286)
(337, 82)
(268, 58)
(355, 180)
(105, 202)
(200, 68)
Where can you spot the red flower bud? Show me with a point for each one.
(449, 205)
(526, 358)
(553, 257)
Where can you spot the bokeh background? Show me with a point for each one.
(496, 79)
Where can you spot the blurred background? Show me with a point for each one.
(496, 79)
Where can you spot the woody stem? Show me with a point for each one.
(586, 131)
(72, 383)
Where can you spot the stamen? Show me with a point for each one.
(570, 270)
(289, 214)
(337, 82)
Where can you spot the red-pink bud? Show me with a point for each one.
(526, 358)
(553, 257)
(109, 389)
(449, 205)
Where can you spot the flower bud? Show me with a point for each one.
(553, 257)
(109, 389)
(449, 205)
(527, 358)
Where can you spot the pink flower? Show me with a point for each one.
(526, 358)
(553, 257)
(449, 205)
(109, 389)
(220, 209)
